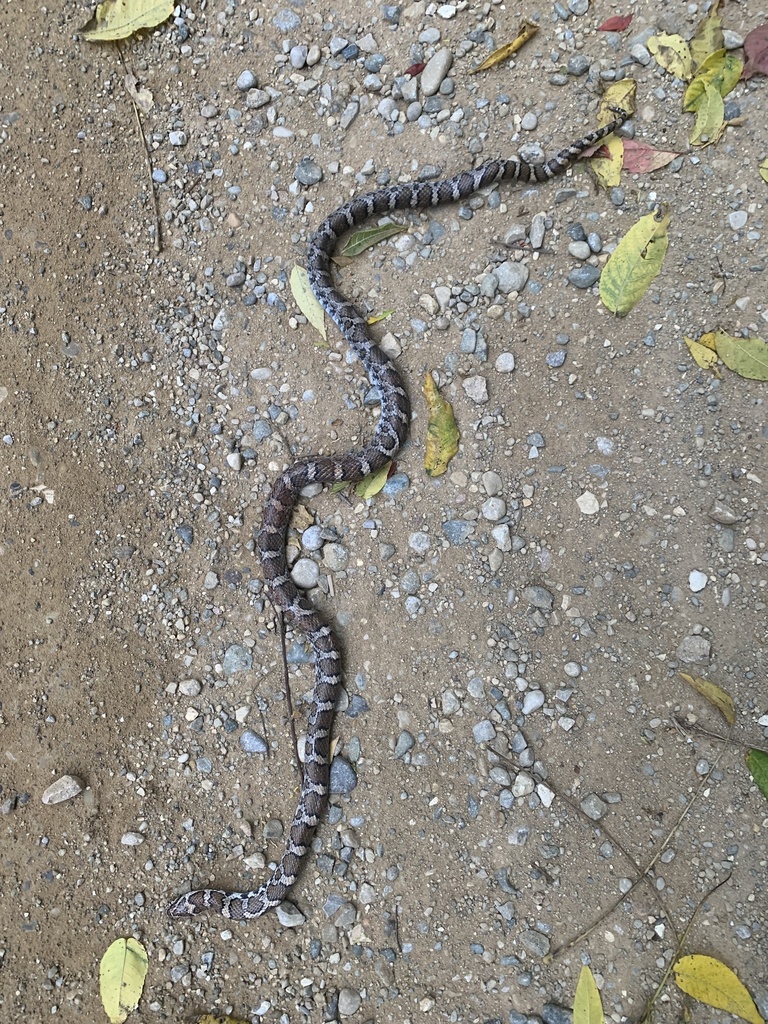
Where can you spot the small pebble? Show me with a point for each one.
(64, 788)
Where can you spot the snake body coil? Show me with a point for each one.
(390, 434)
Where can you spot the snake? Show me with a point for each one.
(351, 467)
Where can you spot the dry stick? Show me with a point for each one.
(649, 867)
(155, 205)
(685, 727)
(665, 978)
(287, 687)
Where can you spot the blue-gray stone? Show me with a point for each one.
(236, 659)
(343, 776)
(584, 277)
(252, 743)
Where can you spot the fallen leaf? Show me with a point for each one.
(118, 19)
(703, 356)
(415, 69)
(373, 483)
(673, 54)
(365, 238)
(442, 433)
(709, 118)
(376, 318)
(618, 95)
(209, 1018)
(607, 168)
(711, 982)
(708, 36)
(746, 356)
(640, 158)
(524, 33)
(756, 49)
(306, 300)
(122, 972)
(587, 1006)
(616, 24)
(721, 70)
(143, 98)
(763, 168)
(757, 763)
(635, 262)
(716, 695)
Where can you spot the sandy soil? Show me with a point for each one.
(129, 375)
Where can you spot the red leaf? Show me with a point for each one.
(415, 69)
(756, 49)
(616, 24)
(640, 158)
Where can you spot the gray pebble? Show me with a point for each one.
(437, 68)
(579, 250)
(343, 776)
(577, 65)
(640, 54)
(694, 650)
(535, 943)
(396, 484)
(593, 807)
(555, 359)
(245, 80)
(308, 172)
(350, 1002)
(286, 21)
(595, 241)
(578, 7)
(551, 1013)
(538, 230)
(312, 538)
(256, 98)
(298, 56)
(484, 731)
(189, 687)
(532, 701)
(529, 122)
(159, 176)
(131, 839)
(476, 388)
(305, 573)
(419, 542)
(237, 659)
(457, 530)
(289, 916)
(177, 138)
(511, 276)
(584, 277)
(252, 743)
(410, 582)
(494, 509)
(723, 514)
(737, 219)
(539, 597)
(405, 742)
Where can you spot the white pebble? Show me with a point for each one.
(62, 789)
(505, 363)
(131, 839)
(697, 580)
(588, 503)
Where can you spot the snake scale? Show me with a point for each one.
(390, 434)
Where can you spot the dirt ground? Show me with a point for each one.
(496, 679)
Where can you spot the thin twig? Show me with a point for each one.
(686, 727)
(287, 688)
(155, 204)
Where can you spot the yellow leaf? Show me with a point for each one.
(524, 33)
(587, 1006)
(716, 695)
(208, 1018)
(373, 483)
(122, 972)
(306, 300)
(708, 36)
(118, 19)
(703, 356)
(607, 170)
(673, 54)
(746, 356)
(710, 111)
(635, 262)
(619, 95)
(721, 70)
(763, 168)
(442, 433)
(378, 317)
(711, 982)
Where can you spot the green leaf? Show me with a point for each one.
(587, 1006)
(716, 695)
(306, 300)
(757, 762)
(710, 112)
(721, 70)
(746, 356)
(442, 433)
(365, 238)
(373, 483)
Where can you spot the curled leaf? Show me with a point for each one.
(703, 355)
(711, 982)
(716, 695)
(442, 433)
(635, 262)
(710, 113)
(524, 33)
(721, 70)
